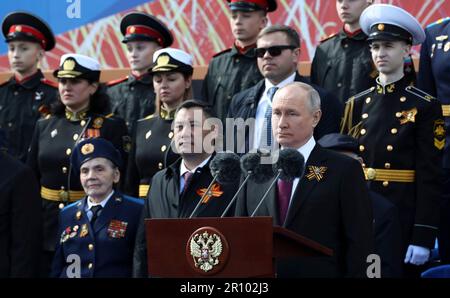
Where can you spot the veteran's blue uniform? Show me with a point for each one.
(434, 78)
(105, 249)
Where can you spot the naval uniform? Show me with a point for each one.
(401, 135)
(52, 145)
(105, 249)
(151, 151)
(22, 103)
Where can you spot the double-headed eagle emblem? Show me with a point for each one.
(205, 250)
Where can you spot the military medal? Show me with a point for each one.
(78, 215)
(408, 116)
(117, 228)
(84, 231)
(98, 122)
(215, 191)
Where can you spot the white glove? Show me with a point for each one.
(417, 255)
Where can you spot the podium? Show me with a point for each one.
(232, 247)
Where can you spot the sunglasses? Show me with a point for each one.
(273, 51)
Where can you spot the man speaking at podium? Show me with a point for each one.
(328, 204)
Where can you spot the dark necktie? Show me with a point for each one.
(284, 196)
(95, 212)
(187, 180)
(268, 120)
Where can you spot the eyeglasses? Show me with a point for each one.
(273, 51)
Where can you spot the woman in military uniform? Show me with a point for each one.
(151, 149)
(400, 131)
(77, 115)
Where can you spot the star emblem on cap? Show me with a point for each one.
(380, 27)
(87, 149)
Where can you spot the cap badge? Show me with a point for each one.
(69, 65)
(87, 149)
(380, 27)
(18, 28)
(132, 29)
(163, 60)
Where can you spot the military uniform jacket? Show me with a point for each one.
(151, 151)
(434, 74)
(229, 72)
(165, 201)
(245, 104)
(20, 219)
(331, 206)
(132, 98)
(400, 127)
(343, 65)
(53, 142)
(105, 249)
(21, 105)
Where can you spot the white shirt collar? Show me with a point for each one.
(103, 203)
(283, 83)
(183, 168)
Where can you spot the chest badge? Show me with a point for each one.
(215, 191)
(54, 133)
(38, 95)
(316, 173)
(408, 116)
(439, 134)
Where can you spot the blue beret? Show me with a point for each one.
(337, 141)
(92, 148)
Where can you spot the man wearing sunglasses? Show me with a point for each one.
(235, 69)
(278, 50)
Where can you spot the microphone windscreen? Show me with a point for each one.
(249, 162)
(227, 166)
(260, 172)
(291, 162)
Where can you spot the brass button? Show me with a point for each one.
(363, 165)
(363, 131)
(237, 60)
(68, 151)
(61, 206)
(365, 116)
(91, 247)
(75, 137)
(163, 148)
(339, 85)
(368, 99)
(64, 170)
(170, 135)
(160, 165)
(389, 148)
(371, 173)
(398, 114)
(229, 96)
(394, 131)
(10, 124)
(361, 148)
(387, 165)
(402, 99)
(83, 122)
(90, 266)
(385, 183)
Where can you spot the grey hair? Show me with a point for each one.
(313, 95)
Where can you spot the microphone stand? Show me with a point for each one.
(267, 192)
(236, 194)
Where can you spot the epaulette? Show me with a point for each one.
(329, 37)
(419, 93)
(222, 52)
(440, 21)
(115, 82)
(148, 117)
(49, 82)
(109, 115)
(361, 94)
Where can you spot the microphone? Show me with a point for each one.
(290, 164)
(225, 168)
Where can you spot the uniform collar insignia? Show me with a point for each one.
(316, 173)
(165, 114)
(215, 191)
(408, 116)
(76, 116)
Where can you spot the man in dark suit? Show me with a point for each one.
(176, 190)
(278, 51)
(20, 218)
(328, 204)
(97, 233)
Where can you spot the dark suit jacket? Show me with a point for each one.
(335, 212)
(20, 219)
(245, 104)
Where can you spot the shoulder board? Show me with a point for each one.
(362, 93)
(419, 93)
(115, 82)
(222, 52)
(49, 82)
(328, 37)
(148, 117)
(440, 21)
(109, 115)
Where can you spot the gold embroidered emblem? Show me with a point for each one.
(205, 250)
(408, 116)
(87, 149)
(98, 122)
(69, 65)
(316, 173)
(215, 191)
(163, 60)
(439, 134)
(390, 88)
